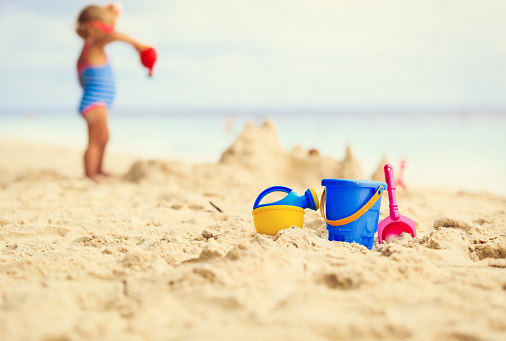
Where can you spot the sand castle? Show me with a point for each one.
(257, 154)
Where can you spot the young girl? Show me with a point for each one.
(95, 24)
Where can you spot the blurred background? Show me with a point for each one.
(420, 80)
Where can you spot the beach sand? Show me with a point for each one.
(146, 255)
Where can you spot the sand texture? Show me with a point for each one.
(145, 255)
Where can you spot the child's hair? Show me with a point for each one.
(91, 12)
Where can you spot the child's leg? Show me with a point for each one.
(98, 135)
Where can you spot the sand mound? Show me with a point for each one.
(255, 154)
(258, 149)
(379, 173)
(156, 171)
(255, 147)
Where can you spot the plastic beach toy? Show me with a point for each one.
(351, 209)
(148, 59)
(395, 224)
(289, 211)
(400, 178)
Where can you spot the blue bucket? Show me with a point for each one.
(351, 209)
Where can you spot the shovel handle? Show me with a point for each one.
(389, 178)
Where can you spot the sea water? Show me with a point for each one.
(458, 150)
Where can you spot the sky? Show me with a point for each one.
(266, 53)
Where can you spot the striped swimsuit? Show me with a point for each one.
(97, 82)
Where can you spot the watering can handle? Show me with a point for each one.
(355, 215)
(270, 190)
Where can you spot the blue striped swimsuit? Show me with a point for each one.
(98, 87)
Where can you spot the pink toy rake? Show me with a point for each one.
(400, 178)
(395, 224)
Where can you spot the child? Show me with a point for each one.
(95, 24)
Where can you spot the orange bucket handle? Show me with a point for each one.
(355, 215)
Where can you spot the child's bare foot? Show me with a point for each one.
(104, 174)
(93, 178)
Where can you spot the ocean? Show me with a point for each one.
(451, 149)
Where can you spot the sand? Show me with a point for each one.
(144, 255)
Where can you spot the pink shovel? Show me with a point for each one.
(395, 224)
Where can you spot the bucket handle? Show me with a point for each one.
(355, 215)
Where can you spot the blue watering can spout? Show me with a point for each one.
(311, 200)
(308, 200)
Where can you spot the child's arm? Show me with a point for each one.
(117, 36)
